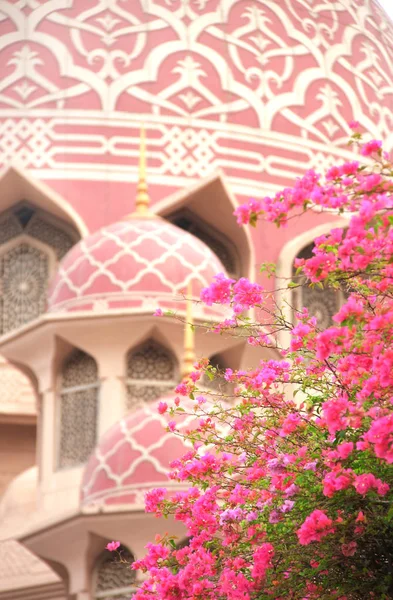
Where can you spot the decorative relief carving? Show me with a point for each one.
(322, 304)
(24, 267)
(222, 83)
(49, 234)
(24, 273)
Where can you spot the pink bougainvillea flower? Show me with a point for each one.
(316, 526)
(162, 407)
(370, 147)
(112, 546)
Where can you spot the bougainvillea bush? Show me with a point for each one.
(290, 485)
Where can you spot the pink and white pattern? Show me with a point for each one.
(260, 88)
(132, 458)
(138, 264)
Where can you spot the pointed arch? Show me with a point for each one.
(31, 244)
(16, 184)
(78, 408)
(151, 371)
(36, 231)
(206, 210)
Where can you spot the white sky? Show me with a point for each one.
(388, 6)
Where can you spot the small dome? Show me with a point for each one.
(132, 457)
(137, 263)
(20, 497)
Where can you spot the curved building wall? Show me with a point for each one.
(258, 88)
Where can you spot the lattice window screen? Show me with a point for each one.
(24, 269)
(114, 580)
(321, 303)
(50, 235)
(24, 272)
(78, 409)
(151, 373)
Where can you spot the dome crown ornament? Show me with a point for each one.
(142, 200)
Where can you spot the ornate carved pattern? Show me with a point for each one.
(222, 84)
(114, 580)
(151, 373)
(78, 409)
(9, 228)
(50, 235)
(321, 303)
(24, 269)
(24, 276)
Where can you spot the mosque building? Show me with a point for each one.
(237, 98)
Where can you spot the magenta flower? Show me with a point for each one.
(162, 407)
(112, 546)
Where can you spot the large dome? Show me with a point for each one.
(133, 457)
(138, 264)
(262, 89)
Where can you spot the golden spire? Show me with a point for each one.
(142, 201)
(189, 336)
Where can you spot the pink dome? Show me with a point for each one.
(133, 457)
(138, 264)
(262, 90)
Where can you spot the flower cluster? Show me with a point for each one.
(288, 483)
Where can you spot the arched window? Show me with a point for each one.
(218, 243)
(113, 578)
(78, 409)
(24, 272)
(31, 243)
(151, 373)
(321, 303)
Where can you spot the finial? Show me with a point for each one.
(189, 336)
(142, 200)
